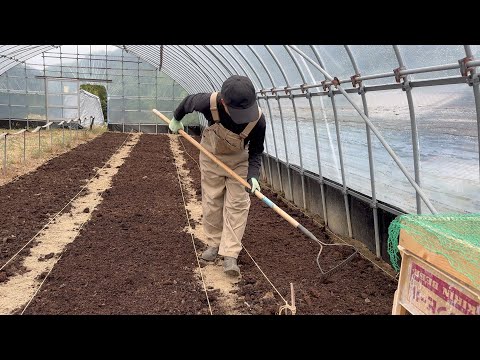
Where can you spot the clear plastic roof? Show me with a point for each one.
(419, 99)
(204, 67)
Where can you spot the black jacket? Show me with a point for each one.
(201, 103)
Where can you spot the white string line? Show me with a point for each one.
(264, 275)
(242, 244)
(63, 251)
(58, 213)
(36, 292)
(185, 150)
(191, 234)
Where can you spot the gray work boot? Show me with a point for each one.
(230, 266)
(210, 254)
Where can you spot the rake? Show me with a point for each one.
(268, 202)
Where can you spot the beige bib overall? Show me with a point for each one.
(225, 202)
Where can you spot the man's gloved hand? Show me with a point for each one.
(254, 184)
(175, 125)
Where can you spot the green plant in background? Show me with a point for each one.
(101, 92)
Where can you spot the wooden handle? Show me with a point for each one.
(258, 194)
(205, 151)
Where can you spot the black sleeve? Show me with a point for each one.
(255, 149)
(196, 102)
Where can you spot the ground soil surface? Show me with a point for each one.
(287, 256)
(28, 202)
(134, 256)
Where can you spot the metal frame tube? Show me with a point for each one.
(371, 161)
(413, 128)
(207, 66)
(150, 55)
(342, 167)
(194, 73)
(375, 131)
(340, 154)
(235, 70)
(476, 95)
(212, 81)
(413, 83)
(304, 202)
(213, 64)
(275, 149)
(269, 165)
(269, 108)
(425, 69)
(473, 63)
(173, 71)
(302, 172)
(319, 162)
(281, 116)
(251, 69)
(428, 68)
(221, 62)
(194, 82)
(317, 147)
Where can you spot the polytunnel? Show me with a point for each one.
(356, 135)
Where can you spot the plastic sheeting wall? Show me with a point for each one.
(441, 107)
(134, 87)
(90, 106)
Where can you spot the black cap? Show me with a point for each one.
(239, 96)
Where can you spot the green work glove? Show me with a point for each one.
(175, 125)
(254, 184)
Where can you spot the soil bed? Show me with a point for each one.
(134, 256)
(28, 202)
(286, 255)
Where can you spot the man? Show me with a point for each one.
(235, 135)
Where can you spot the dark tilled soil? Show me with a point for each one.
(28, 202)
(286, 255)
(133, 257)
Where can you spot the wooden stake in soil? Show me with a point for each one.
(292, 307)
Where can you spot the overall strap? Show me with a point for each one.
(250, 126)
(213, 106)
